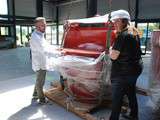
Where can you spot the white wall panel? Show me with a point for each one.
(73, 11)
(25, 8)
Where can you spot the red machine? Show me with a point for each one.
(87, 38)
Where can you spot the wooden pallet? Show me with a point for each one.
(80, 109)
(83, 110)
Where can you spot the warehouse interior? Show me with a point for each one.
(17, 77)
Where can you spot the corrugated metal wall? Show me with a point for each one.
(148, 9)
(25, 8)
(103, 6)
(73, 10)
(49, 11)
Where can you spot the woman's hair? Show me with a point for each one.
(125, 22)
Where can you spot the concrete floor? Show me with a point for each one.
(16, 86)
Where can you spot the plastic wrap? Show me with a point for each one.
(155, 68)
(155, 56)
(85, 76)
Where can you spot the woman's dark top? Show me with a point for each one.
(129, 61)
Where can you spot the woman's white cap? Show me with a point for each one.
(120, 14)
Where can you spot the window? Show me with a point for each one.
(18, 36)
(60, 34)
(3, 7)
(49, 34)
(145, 30)
(4, 31)
(24, 34)
(54, 35)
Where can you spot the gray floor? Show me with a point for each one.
(16, 85)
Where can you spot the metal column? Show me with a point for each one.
(39, 8)
(91, 8)
(57, 24)
(14, 25)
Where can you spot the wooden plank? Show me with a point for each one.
(80, 109)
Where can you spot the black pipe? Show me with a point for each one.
(146, 41)
(57, 24)
(21, 35)
(136, 12)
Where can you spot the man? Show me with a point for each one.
(126, 65)
(37, 45)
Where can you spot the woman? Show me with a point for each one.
(126, 65)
